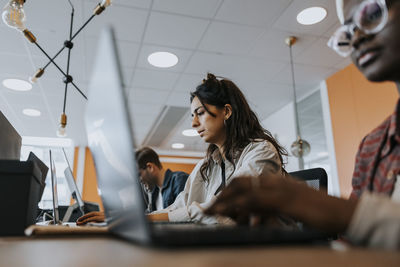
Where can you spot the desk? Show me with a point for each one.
(112, 252)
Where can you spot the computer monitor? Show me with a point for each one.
(10, 140)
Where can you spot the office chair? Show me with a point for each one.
(315, 178)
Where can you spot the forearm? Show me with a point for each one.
(158, 217)
(319, 210)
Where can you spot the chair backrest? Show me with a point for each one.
(315, 178)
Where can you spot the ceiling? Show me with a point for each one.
(239, 39)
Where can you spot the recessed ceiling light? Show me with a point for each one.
(17, 84)
(31, 112)
(311, 15)
(190, 132)
(177, 146)
(162, 59)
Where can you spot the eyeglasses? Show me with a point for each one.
(370, 17)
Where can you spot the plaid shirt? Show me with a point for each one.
(378, 158)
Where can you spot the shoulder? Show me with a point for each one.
(260, 150)
(380, 130)
(260, 146)
(179, 175)
(375, 137)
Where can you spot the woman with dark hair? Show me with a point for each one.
(239, 146)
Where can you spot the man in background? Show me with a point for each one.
(162, 185)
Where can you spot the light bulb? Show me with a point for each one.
(300, 148)
(38, 74)
(62, 131)
(106, 3)
(14, 14)
(101, 7)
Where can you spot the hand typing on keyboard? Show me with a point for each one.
(94, 216)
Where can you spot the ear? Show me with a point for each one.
(150, 166)
(227, 111)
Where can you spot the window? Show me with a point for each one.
(40, 147)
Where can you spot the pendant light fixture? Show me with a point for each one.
(13, 16)
(300, 147)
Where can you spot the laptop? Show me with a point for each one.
(63, 227)
(73, 188)
(110, 137)
(53, 176)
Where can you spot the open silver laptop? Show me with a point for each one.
(73, 188)
(110, 136)
(53, 176)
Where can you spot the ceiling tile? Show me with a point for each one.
(154, 79)
(188, 82)
(272, 45)
(128, 23)
(127, 51)
(233, 67)
(147, 96)
(51, 16)
(304, 74)
(229, 38)
(319, 54)
(16, 66)
(252, 12)
(204, 8)
(12, 42)
(174, 30)
(179, 99)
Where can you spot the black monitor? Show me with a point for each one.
(10, 140)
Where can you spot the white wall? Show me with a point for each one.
(333, 179)
(282, 126)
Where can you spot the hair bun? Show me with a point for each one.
(211, 76)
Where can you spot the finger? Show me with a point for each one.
(99, 218)
(237, 187)
(232, 208)
(87, 215)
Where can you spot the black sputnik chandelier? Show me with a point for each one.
(13, 16)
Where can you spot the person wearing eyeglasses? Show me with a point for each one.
(162, 185)
(370, 34)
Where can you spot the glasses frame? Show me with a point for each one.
(350, 28)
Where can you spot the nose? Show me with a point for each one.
(195, 121)
(359, 37)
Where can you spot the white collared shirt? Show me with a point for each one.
(257, 157)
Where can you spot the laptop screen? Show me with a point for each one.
(76, 195)
(56, 216)
(110, 139)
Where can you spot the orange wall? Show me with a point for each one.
(178, 166)
(357, 106)
(89, 190)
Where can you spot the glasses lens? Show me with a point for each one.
(340, 41)
(371, 16)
